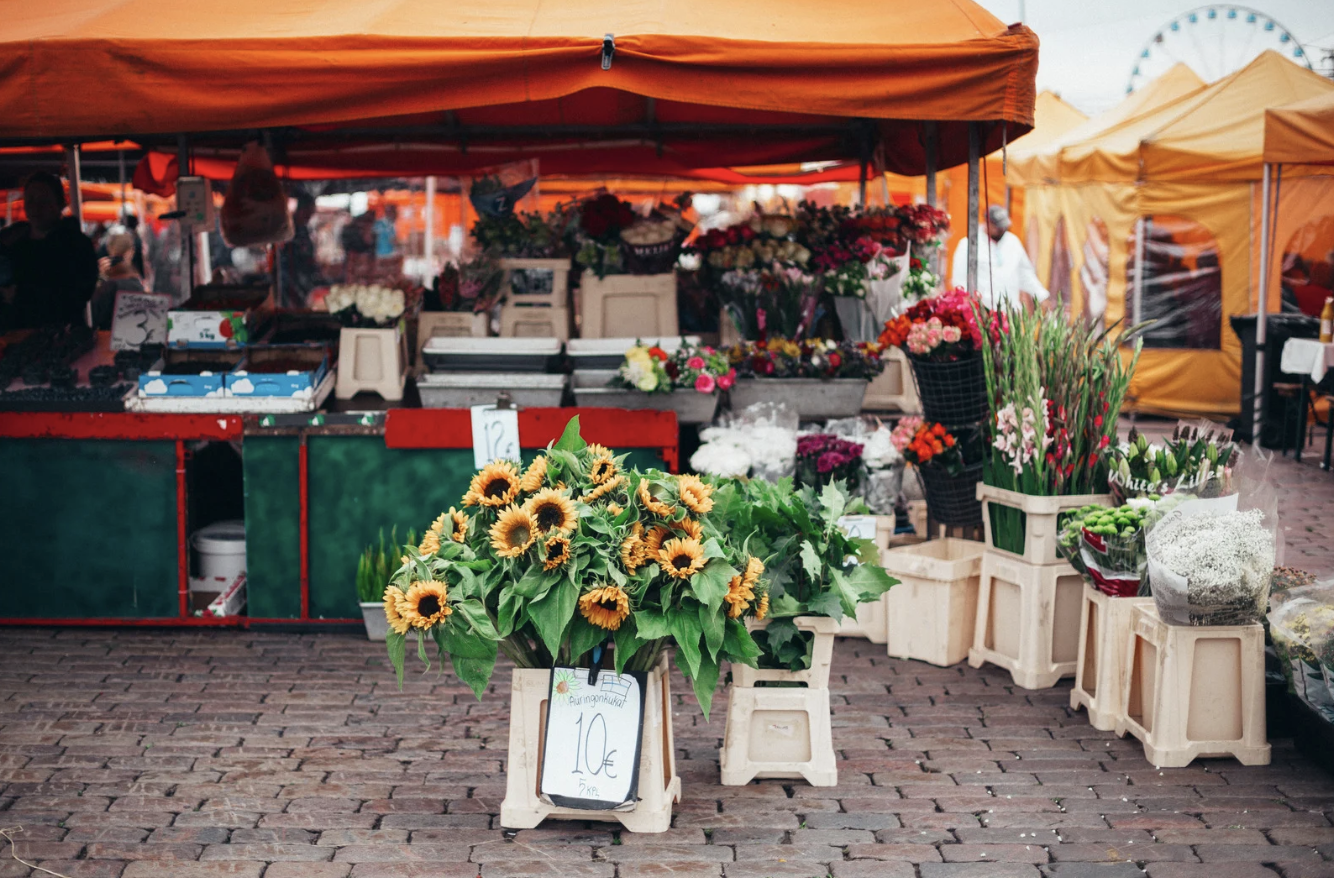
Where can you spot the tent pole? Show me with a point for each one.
(931, 150)
(120, 166)
(187, 239)
(861, 185)
(428, 245)
(1261, 307)
(974, 148)
(75, 182)
(1137, 295)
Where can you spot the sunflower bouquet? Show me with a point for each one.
(574, 552)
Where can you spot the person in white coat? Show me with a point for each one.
(1004, 272)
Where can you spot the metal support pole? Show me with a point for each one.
(861, 185)
(428, 245)
(932, 150)
(974, 150)
(187, 239)
(75, 182)
(1261, 307)
(1137, 294)
(120, 166)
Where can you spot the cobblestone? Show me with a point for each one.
(223, 754)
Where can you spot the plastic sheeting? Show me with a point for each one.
(1182, 286)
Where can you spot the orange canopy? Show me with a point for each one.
(1301, 133)
(690, 84)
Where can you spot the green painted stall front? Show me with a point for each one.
(357, 486)
(88, 529)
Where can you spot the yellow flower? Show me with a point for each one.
(552, 510)
(695, 494)
(605, 607)
(738, 597)
(682, 558)
(754, 567)
(653, 541)
(690, 528)
(513, 532)
(763, 609)
(614, 508)
(632, 549)
(601, 469)
(430, 544)
(595, 451)
(393, 598)
(555, 552)
(496, 485)
(425, 604)
(534, 475)
(653, 504)
(438, 526)
(458, 525)
(603, 489)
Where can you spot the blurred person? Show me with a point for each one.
(1004, 272)
(53, 264)
(358, 235)
(118, 275)
(131, 223)
(301, 271)
(386, 233)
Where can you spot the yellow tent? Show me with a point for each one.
(1158, 218)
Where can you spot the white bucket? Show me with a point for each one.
(221, 551)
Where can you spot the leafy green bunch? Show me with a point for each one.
(575, 552)
(376, 565)
(1191, 460)
(813, 567)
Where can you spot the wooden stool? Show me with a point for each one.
(1027, 619)
(783, 731)
(372, 359)
(1104, 628)
(1194, 691)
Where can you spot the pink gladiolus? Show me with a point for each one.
(705, 383)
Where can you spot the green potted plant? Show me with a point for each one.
(376, 564)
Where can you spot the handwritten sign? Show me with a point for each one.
(495, 434)
(593, 735)
(139, 319)
(858, 527)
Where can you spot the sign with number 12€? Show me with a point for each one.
(495, 434)
(593, 735)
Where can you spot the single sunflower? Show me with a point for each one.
(605, 607)
(555, 552)
(653, 504)
(594, 451)
(653, 540)
(682, 558)
(425, 604)
(458, 525)
(754, 567)
(603, 489)
(632, 549)
(695, 494)
(690, 528)
(738, 597)
(534, 475)
(552, 510)
(601, 469)
(393, 597)
(496, 485)
(430, 543)
(614, 508)
(513, 532)
(762, 609)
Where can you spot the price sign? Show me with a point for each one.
(139, 319)
(858, 527)
(495, 434)
(593, 735)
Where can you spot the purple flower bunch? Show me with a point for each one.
(823, 458)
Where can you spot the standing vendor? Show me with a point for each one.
(53, 265)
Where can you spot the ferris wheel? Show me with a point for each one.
(1214, 41)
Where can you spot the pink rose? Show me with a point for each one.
(695, 363)
(951, 334)
(725, 382)
(705, 383)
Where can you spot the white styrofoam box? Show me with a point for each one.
(467, 389)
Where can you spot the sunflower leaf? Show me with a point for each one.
(584, 637)
(711, 621)
(713, 550)
(738, 645)
(651, 625)
(473, 658)
(710, 584)
(552, 614)
(570, 440)
(475, 613)
(533, 585)
(397, 646)
(705, 681)
(870, 581)
(627, 643)
(506, 612)
(421, 650)
(686, 631)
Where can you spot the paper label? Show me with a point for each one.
(495, 434)
(593, 735)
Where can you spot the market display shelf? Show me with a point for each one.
(260, 405)
(608, 353)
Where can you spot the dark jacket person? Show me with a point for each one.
(53, 264)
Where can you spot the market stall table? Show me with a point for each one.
(1313, 360)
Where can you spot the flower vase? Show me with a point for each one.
(377, 625)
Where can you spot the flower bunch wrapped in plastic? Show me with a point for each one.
(923, 444)
(807, 358)
(372, 303)
(941, 328)
(1211, 568)
(546, 562)
(702, 369)
(645, 369)
(1200, 461)
(823, 458)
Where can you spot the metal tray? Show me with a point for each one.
(492, 354)
(456, 390)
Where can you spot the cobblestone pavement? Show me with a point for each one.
(138, 754)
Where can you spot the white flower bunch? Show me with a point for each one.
(1226, 559)
(374, 302)
(764, 447)
(878, 452)
(722, 459)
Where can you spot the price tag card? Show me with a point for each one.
(858, 527)
(593, 735)
(139, 319)
(495, 434)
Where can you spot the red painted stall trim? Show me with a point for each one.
(118, 425)
(615, 428)
(173, 622)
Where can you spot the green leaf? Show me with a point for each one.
(686, 632)
(507, 612)
(833, 502)
(651, 625)
(711, 622)
(826, 603)
(710, 583)
(713, 550)
(421, 650)
(810, 560)
(785, 605)
(533, 584)
(584, 637)
(472, 657)
(477, 618)
(705, 681)
(397, 645)
(779, 632)
(848, 596)
(870, 582)
(738, 645)
(627, 643)
(552, 614)
(570, 440)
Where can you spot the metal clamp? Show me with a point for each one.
(608, 50)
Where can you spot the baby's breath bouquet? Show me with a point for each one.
(548, 562)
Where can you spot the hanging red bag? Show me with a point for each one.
(255, 209)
